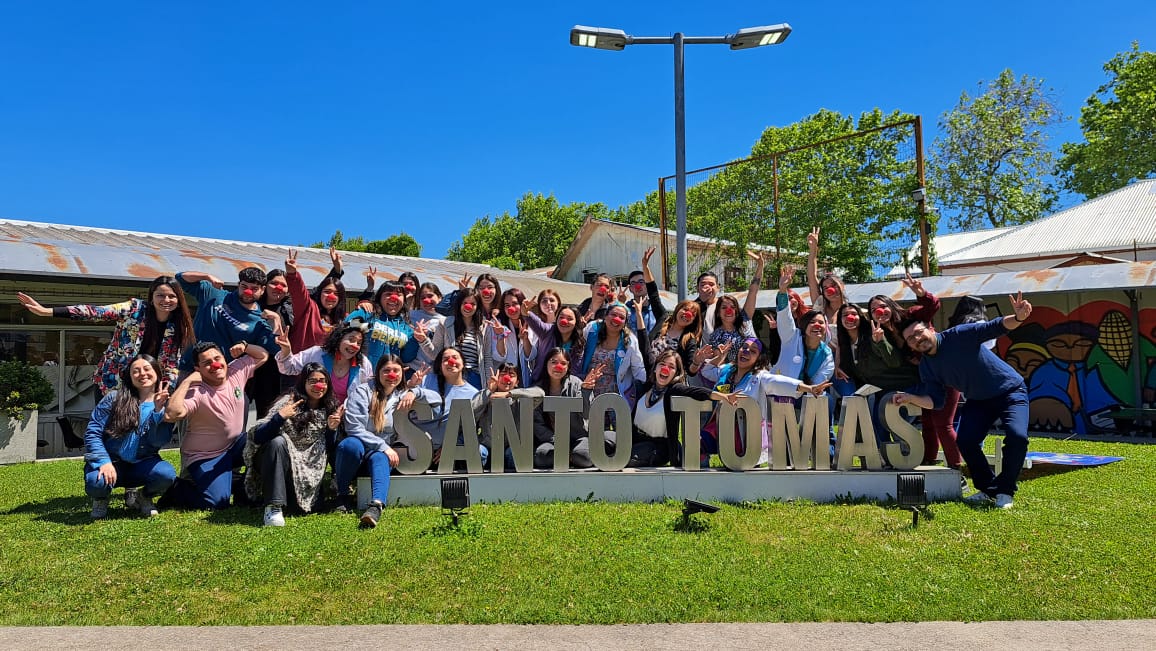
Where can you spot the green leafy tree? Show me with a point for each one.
(400, 244)
(537, 235)
(857, 189)
(1119, 125)
(991, 165)
(341, 243)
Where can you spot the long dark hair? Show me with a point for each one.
(846, 363)
(504, 318)
(544, 380)
(438, 368)
(154, 331)
(740, 313)
(626, 337)
(337, 314)
(124, 413)
(679, 371)
(460, 321)
(497, 292)
(328, 401)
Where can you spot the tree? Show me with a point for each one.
(991, 166)
(1119, 125)
(400, 244)
(857, 189)
(537, 235)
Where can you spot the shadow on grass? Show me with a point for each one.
(70, 511)
(695, 523)
(463, 528)
(237, 515)
(1048, 469)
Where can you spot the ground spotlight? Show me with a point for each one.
(690, 507)
(911, 493)
(455, 497)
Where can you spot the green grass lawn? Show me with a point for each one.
(1078, 545)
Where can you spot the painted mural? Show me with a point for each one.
(1078, 366)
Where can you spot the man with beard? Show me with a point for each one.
(211, 400)
(957, 358)
(228, 318)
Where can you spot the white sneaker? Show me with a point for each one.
(764, 459)
(145, 503)
(979, 498)
(99, 509)
(1003, 501)
(273, 516)
(132, 498)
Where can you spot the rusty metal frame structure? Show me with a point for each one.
(921, 203)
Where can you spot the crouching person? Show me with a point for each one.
(124, 437)
(369, 436)
(211, 401)
(288, 447)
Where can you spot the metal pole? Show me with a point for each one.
(663, 240)
(924, 236)
(680, 163)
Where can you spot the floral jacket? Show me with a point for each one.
(129, 317)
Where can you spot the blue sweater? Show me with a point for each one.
(145, 441)
(392, 334)
(962, 362)
(222, 319)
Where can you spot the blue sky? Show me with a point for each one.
(280, 121)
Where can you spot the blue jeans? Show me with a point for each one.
(351, 460)
(976, 419)
(210, 482)
(154, 473)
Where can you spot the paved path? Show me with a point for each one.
(1017, 636)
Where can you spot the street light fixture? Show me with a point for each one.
(601, 38)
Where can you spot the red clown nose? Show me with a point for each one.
(559, 367)
(879, 312)
(248, 293)
(216, 366)
(617, 320)
(319, 386)
(830, 291)
(429, 300)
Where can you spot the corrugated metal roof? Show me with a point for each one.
(33, 248)
(1111, 222)
(946, 244)
(1129, 275)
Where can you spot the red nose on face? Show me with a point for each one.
(354, 347)
(730, 311)
(392, 377)
(409, 288)
(617, 320)
(507, 379)
(688, 315)
(429, 300)
(248, 293)
(394, 297)
(319, 386)
(216, 366)
(513, 310)
(879, 312)
(830, 291)
(487, 293)
(602, 291)
(564, 322)
(559, 367)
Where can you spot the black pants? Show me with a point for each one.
(277, 474)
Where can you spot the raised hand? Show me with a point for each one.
(704, 353)
(291, 263)
(593, 375)
(785, 276)
(914, 284)
(1022, 307)
(492, 383)
(370, 274)
(236, 350)
(289, 410)
(877, 332)
(335, 257)
(161, 396)
(528, 306)
(32, 305)
(813, 240)
(465, 281)
(282, 340)
(419, 333)
(418, 377)
(334, 420)
(646, 256)
(214, 281)
(771, 322)
(620, 292)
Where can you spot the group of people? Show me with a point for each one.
(327, 382)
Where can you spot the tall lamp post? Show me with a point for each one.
(615, 39)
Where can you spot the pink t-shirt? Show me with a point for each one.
(216, 415)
